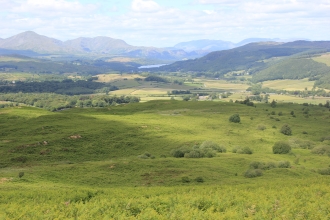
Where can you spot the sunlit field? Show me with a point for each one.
(325, 58)
(289, 85)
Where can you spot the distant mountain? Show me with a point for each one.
(251, 57)
(29, 40)
(255, 40)
(206, 45)
(33, 42)
(99, 45)
(202, 47)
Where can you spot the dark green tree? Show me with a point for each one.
(286, 129)
(235, 118)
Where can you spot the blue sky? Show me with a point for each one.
(163, 23)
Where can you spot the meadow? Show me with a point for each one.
(116, 162)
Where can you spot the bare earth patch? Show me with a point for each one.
(75, 136)
(3, 180)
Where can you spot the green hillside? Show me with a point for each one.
(251, 57)
(292, 69)
(118, 163)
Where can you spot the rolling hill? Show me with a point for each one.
(251, 58)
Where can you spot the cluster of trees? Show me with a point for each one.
(206, 149)
(67, 87)
(156, 79)
(179, 92)
(257, 90)
(54, 102)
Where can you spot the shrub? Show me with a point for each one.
(321, 150)
(256, 165)
(253, 173)
(20, 174)
(146, 155)
(199, 179)
(245, 150)
(325, 171)
(212, 145)
(284, 164)
(261, 127)
(286, 130)
(185, 179)
(281, 147)
(194, 154)
(177, 153)
(235, 118)
(280, 114)
(242, 150)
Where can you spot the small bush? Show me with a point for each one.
(177, 153)
(235, 118)
(284, 164)
(321, 150)
(261, 127)
(199, 179)
(20, 174)
(280, 114)
(281, 147)
(146, 155)
(212, 145)
(194, 154)
(242, 150)
(286, 130)
(185, 179)
(325, 171)
(252, 173)
(256, 165)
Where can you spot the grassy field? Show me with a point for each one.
(85, 163)
(289, 85)
(222, 84)
(325, 58)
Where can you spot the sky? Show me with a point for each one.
(164, 23)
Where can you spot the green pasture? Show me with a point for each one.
(289, 85)
(84, 163)
(299, 100)
(325, 58)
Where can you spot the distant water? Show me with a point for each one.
(152, 66)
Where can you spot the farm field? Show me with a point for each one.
(289, 85)
(325, 58)
(117, 162)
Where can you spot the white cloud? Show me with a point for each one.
(148, 23)
(52, 7)
(145, 6)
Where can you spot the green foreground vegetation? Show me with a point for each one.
(117, 162)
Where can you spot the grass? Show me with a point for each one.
(222, 84)
(82, 163)
(299, 100)
(289, 85)
(325, 58)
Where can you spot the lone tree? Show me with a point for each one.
(286, 130)
(20, 174)
(273, 104)
(235, 118)
(281, 147)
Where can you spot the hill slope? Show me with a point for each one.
(250, 57)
